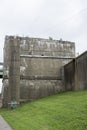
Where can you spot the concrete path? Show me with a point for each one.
(4, 125)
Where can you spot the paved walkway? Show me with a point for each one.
(4, 125)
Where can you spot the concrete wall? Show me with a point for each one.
(11, 82)
(76, 74)
(43, 75)
(33, 67)
(69, 72)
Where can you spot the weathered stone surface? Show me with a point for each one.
(76, 74)
(11, 71)
(33, 67)
(33, 89)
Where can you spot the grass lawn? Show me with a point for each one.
(65, 111)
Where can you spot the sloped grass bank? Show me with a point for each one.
(65, 111)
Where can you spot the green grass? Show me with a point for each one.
(66, 111)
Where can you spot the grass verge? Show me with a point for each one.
(65, 111)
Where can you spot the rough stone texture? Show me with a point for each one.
(33, 89)
(11, 71)
(76, 74)
(34, 66)
(46, 47)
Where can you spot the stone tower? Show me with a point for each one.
(33, 67)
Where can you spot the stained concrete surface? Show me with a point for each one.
(33, 67)
(0, 103)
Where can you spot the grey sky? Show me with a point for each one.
(64, 19)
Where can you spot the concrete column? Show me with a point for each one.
(14, 70)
